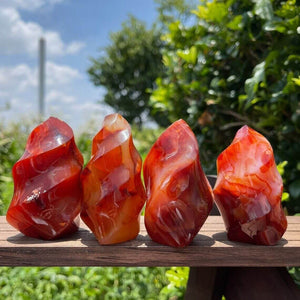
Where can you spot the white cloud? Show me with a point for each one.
(74, 47)
(60, 74)
(88, 106)
(18, 36)
(20, 78)
(17, 79)
(67, 96)
(18, 86)
(28, 4)
(57, 97)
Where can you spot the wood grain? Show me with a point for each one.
(210, 248)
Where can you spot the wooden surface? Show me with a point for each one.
(210, 248)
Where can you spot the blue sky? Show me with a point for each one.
(75, 30)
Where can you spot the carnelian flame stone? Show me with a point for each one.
(113, 191)
(248, 190)
(47, 195)
(179, 197)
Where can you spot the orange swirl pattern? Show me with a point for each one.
(113, 192)
(179, 197)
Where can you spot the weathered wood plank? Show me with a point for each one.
(210, 248)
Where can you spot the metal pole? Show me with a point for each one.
(41, 77)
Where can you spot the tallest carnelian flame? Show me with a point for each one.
(47, 195)
(113, 193)
(248, 190)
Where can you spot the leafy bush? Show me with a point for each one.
(145, 138)
(12, 143)
(81, 283)
(238, 64)
(178, 278)
(129, 66)
(295, 273)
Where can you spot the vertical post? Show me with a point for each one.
(41, 78)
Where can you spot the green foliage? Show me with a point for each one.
(178, 277)
(128, 68)
(238, 64)
(84, 144)
(170, 11)
(12, 145)
(81, 283)
(295, 273)
(145, 138)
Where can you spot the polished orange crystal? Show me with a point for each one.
(112, 187)
(248, 190)
(179, 197)
(47, 195)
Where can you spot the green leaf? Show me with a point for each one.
(166, 60)
(296, 80)
(264, 9)
(251, 84)
(190, 55)
(292, 59)
(5, 178)
(236, 23)
(285, 197)
(178, 276)
(271, 58)
(281, 166)
(212, 11)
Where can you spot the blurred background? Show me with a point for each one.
(216, 64)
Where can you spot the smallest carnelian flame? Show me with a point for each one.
(113, 192)
(47, 195)
(248, 190)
